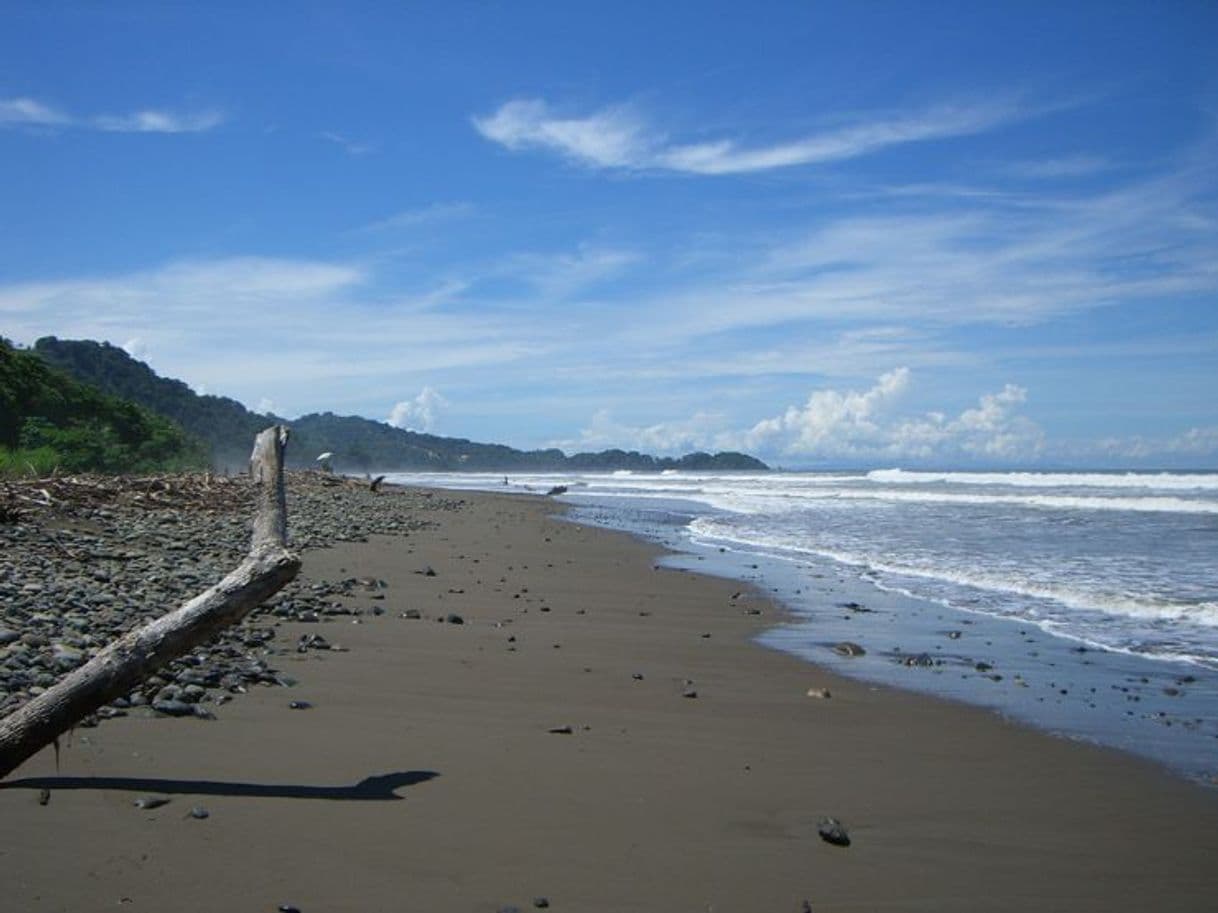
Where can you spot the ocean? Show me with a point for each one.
(1085, 603)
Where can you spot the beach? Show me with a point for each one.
(568, 724)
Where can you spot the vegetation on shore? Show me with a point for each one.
(358, 444)
(49, 420)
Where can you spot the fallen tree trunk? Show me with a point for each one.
(128, 661)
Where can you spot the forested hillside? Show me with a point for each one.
(358, 444)
(49, 420)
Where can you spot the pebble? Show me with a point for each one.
(848, 648)
(822, 693)
(151, 802)
(300, 705)
(561, 730)
(833, 831)
(199, 812)
(454, 619)
(138, 559)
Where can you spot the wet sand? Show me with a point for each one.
(425, 777)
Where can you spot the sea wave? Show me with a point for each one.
(1128, 605)
(1161, 481)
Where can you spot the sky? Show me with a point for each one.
(885, 234)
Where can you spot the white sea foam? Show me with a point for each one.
(1077, 596)
(1159, 481)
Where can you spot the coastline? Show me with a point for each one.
(653, 801)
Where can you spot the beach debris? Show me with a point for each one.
(561, 730)
(848, 648)
(150, 802)
(454, 619)
(541, 903)
(833, 831)
(44, 796)
(821, 693)
(287, 908)
(690, 693)
(132, 659)
(412, 614)
(198, 812)
(427, 571)
(300, 705)
(638, 676)
(557, 490)
(375, 484)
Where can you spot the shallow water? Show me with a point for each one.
(1082, 603)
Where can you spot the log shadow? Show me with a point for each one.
(382, 787)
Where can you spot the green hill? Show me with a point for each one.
(358, 444)
(49, 420)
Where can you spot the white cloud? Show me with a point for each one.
(619, 137)
(136, 348)
(16, 112)
(1194, 442)
(152, 121)
(28, 112)
(845, 425)
(420, 413)
(421, 216)
(612, 138)
(1070, 166)
(350, 146)
(661, 438)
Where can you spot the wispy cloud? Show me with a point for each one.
(420, 216)
(1071, 166)
(348, 145)
(18, 112)
(28, 112)
(620, 137)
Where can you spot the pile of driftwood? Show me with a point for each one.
(180, 491)
(128, 661)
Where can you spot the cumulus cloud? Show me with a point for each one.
(619, 137)
(29, 112)
(661, 438)
(846, 424)
(1194, 442)
(136, 348)
(420, 413)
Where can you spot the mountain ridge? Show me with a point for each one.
(358, 444)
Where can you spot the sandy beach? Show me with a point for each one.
(596, 734)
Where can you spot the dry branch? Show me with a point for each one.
(128, 661)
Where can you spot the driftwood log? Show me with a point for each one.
(128, 661)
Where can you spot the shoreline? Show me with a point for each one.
(663, 803)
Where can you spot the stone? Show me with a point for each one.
(454, 619)
(821, 693)
(833, 831)
(199, 812)
(173, 708)
(541, 903)
(561, 730)
(848, 648)
(150, 802)
(300, 705)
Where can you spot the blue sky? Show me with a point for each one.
(880, 233)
